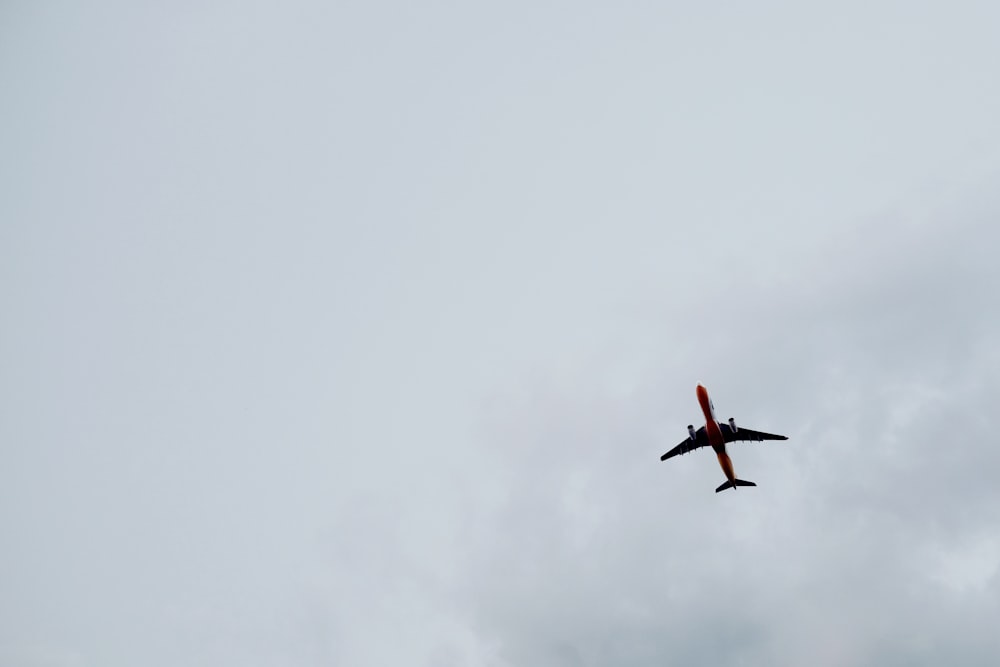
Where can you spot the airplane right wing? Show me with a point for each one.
(688, 445)
(747, 434)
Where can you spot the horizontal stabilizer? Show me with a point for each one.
(736, 482)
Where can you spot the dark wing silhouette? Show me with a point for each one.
(747, 434)
(688, 445)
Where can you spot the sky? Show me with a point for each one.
(342, 333)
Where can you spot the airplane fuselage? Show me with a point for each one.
(714, 433)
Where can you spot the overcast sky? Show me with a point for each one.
(351, 333)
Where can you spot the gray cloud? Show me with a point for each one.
(351, 334)
(851, 555)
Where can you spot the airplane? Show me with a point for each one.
(717, 434)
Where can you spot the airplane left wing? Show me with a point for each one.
(688, 445)
(747, 434)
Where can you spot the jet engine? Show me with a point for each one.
(691, 432)
(732, 424)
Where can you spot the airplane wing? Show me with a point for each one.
(747, 434)
(688, 445)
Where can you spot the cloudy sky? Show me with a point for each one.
(343, 333)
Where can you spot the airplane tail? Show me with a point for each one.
(729, 484)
